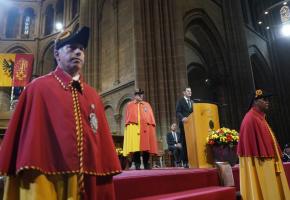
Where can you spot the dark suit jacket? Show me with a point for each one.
(182, 109)
(170, 139)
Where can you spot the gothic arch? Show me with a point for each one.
(262, 72)
(48, 62)
(203, 36)
(121, 108)
(17, 48)
(208, 71)
(109, 111)
(123, 100)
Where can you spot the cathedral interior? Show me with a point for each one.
(222, 49)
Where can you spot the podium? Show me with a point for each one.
(203, 118)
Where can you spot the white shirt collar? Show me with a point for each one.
(76, 77)
(186, 98)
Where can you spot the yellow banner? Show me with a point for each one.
(6, 69)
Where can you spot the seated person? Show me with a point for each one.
(174, 144)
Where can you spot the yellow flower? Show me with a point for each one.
(222, 136)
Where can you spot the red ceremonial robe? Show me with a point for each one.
(43, 133)
(148, 141)
(255, 137)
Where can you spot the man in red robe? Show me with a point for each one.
(58, 144)
(140, 133)
(262, 175)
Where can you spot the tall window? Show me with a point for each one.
(49, 20)
(75, 7)
(12, 24)
(28, 22)
(59, 11)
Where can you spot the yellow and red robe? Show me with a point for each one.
(262, 175)
(50, 140)
(140, 132)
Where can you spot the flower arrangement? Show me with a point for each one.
(223, 136)
(119, 151)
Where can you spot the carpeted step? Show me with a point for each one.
(206, 193)
(140, 183)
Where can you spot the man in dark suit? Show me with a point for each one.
(174, 144)
(184, 108)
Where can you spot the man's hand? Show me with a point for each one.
(184, 119)
(178, 145)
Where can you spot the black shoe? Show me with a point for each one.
(137, 167)
(147, 166)
(186, 165)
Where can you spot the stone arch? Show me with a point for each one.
(124, 99)
(48, 62)
(198, 73)
(17, 48)
(205, 59)
(262, 72)
(109, 111)
(121, 108)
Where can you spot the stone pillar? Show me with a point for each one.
(116, 41)
(156, 58)
(241, 80)
(89, 14)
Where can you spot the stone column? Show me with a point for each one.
(116, 41)
(241, 80)
(156, 58)
(89, 17)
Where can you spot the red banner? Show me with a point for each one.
(22, 69)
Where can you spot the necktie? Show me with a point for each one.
(188, 102)
(175, 137)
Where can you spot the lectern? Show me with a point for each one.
(203, 118)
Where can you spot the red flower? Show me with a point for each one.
(211, 142)
(229, 138)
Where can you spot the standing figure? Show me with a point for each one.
(262, 174)
(174, 144)
(140, 133)
(184, 108)
(58, 144)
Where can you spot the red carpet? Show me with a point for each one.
(181, 183)
(176, 183)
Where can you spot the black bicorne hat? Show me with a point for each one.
(259, 94)
(79, 37)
